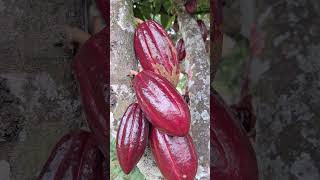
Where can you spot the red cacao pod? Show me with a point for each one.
(175, 156)
(175, 26)
(132, 137)
(191, 6)
(232, 156)
(155, 51)
(181, 50)
(203, 29)
(76, 156)
(91, 69)
(162, 104)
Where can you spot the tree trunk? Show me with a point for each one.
(38, 96)
(287, 76)
(122, 60)
(197, 67)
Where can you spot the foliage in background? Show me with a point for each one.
(230, 72)
(116, 171)
(164, 12)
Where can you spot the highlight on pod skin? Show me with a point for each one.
(159, 89)
(154, 91)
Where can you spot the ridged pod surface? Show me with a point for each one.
(203, 29)
(155, 51)
(91, 69)
(162, 104)
(231, 154)
(132, 137)
(76, 157)
(181, 50)
(175, 156)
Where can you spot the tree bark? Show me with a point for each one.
(287, 76)
(122, 60)
(197, 67)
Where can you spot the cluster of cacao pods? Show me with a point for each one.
(160, 116)
(76, 156)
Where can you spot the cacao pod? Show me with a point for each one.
(181, 50)
(162, 104)
(91, 69)
(203, 29)
(175, 26)
(191, 6)
(155, 51)
(76, 156)
(231, 153)
(132, 137)
(175, 156)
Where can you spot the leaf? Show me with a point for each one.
(116, 171)
(157, 6)
(167, 5)
(182, 83)
(167, 20)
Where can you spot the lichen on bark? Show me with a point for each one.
(122, 60)
(197, 67)
(287, 93)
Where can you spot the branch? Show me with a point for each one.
(197, 66)
(122, 60)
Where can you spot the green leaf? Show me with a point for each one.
(157, 6)
(116, 171)
(167, 5)
(167, 20)
(182, 83)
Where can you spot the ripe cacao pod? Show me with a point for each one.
(181, 50)
(76, 156)
(162, 104)
(231, 153)
(191, 6)
(175, 156)
(155, 51)
(91, 69)
(132, 137)
(203, 29)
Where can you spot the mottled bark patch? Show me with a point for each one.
(11, 113)
(288, 92)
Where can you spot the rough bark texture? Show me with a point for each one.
(197, 66)
(38, 95)
(288, 129)
(122, 60)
